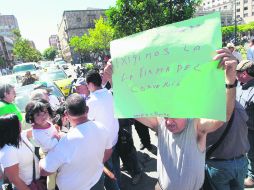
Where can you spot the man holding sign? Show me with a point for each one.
(182, 142)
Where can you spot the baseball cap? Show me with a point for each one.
(80, 81)
(244, 65)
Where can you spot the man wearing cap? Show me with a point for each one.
(250, 52)
(235, 53)
(245, 96)
(81, 87)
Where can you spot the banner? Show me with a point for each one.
(169, 72)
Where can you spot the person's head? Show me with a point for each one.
(9, 130)
(76, 109)
(38, 112)
(7, 93)
(39, 94)
(81, 86)
(93, 80)
(175, 125)
(251, 42)
(28, 74)
(231, 47)
(60, 118)
(245, 71)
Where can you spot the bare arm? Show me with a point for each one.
(229, 63)
(44, 172)
(12, 174)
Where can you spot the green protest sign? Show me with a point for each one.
(169, 72)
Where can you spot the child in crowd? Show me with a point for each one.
(38, 113)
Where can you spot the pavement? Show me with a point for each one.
(148, 162)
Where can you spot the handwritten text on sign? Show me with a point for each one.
(168, 71)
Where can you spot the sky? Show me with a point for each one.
(38, 19)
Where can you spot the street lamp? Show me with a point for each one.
(235, 26)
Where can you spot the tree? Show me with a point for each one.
(132, 16)
(97, 40)
(101, 36)
(1, 61)
(49, 53)
(22, 50)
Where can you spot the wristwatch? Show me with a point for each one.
(231, 85)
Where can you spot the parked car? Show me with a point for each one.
(60, 78)
(11, 79)
(24, 67)
(62, 64)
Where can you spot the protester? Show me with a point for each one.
(45, 135)
(16, 156)
(81, 87)
(127, 151)
(144, 136)
(245, 95)
(7, 97)
(181, 142)
(235, 53)
(28, 79)
(101, 109)
(227, 165)
(250, 51)
(78, 162)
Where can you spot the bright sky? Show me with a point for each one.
(38, 19)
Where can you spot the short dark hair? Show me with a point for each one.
(59, 114)
(75, 105)
(9, 130)
(36, 106)
(5, 88)
(94, 77)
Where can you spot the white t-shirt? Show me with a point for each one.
(10, 155)
(101, 109)
(250, 53)
(54, 102)
(44, 138)
(78, 157)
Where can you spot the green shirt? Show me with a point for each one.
(9, 108)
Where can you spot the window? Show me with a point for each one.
(252, 13)
(245, 1)
(245, 15)
(245, 8)
(78, 19)
(225, 7)
(237, 10)
(90, 21)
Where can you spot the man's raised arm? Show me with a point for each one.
(228, 62)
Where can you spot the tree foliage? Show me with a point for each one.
(49, 53)
(2, 61)
(132, 16)
(97, 39)
(22, 49)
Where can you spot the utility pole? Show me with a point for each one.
(235, 25)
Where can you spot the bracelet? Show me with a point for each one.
(231, 85)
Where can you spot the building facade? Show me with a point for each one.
(8, 23)
(53, 41)
(244, 10)
(6, 50)
(76, 23)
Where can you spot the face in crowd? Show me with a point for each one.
(175, 125)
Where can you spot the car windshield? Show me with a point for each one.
(61, 62)
(23, 95)
(10, 79)
(23, 68)
(52, 76)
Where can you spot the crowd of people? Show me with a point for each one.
(77, 144)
